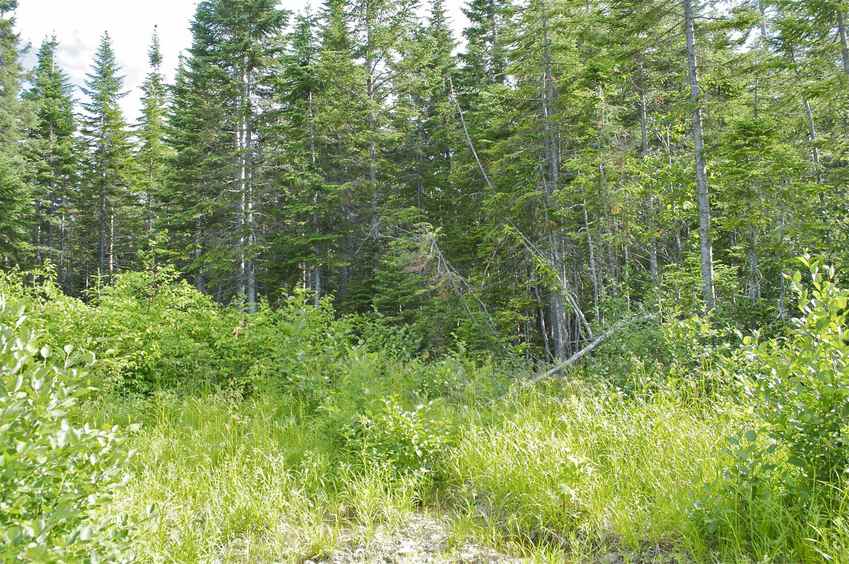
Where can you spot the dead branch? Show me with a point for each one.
(594, 344)
(453, 96)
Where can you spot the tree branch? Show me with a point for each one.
(594, 344)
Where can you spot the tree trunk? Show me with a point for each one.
(557, 310)
(103, 213)
(809, 120)
(844, 39)
(111, 247)
(593, 266)
(754, 282)
(247, 220)
(703, 195)
(645, 148)
(315, 271)
(371, 63)
(240, 218)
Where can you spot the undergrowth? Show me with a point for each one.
(291, 433)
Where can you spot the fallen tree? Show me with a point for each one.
(594, 344)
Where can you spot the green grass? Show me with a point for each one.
(547, 474)
(590, 472)
(291, 436)
(242, 480)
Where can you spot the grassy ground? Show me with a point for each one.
(575, 475)
(336, 443)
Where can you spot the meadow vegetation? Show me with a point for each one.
(150, 424)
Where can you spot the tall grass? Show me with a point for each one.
(291, 436)
(221, 479)
(589, 472)
(575, 474)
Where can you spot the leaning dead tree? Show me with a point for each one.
(430, 261)
(563, 292)
(560, 368)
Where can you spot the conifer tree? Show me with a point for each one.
(343, 150)
(153, 153)
(107, 184)
(190, 204)
(15, 198)
(227, 71)
(302, 230)
(487, 36)
(53, 155)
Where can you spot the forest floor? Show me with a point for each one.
(421, 538)
(425, 539)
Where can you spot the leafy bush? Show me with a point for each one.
(408, 440)
(153, 331)
(55, 476)
(296, 347)
(803, 383)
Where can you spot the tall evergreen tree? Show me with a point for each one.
(302, 232)
(153, 152)
(14, 193)
(487, 37)
(107, 185)
(234, 44)
(53, 155)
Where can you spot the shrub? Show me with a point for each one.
(411, 441)
(55, 476)
(802, 385)
(153, 331)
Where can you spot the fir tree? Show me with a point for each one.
(153, 153)
(227, 71)
(487, 37)
(53, 155)
(107, 185)
(15, 198)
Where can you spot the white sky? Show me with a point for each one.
(78, 25)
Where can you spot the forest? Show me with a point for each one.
(561, 282)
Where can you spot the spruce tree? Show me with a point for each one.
(302, 231)
(153, 152)
(487, 37)
(15, 198)
(343, 147)
(196, 201)
(53, 155)
(216, 111)
(107, 184)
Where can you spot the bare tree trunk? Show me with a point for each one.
(844, 39)
(782, 296)
(37, 235)
(371, 63)
(315, 273)
(103, 213)
(812, 124)
(812, 135)
(240, 219)
(246, 219)
(252, 240)
(542, 326)
(644, 116)
(645, 148)
(593, 266)
(200, 279)
(557, 310)
(708, 291)
(111, 248)
(468, 137)
(62, 274)
(754, 282)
